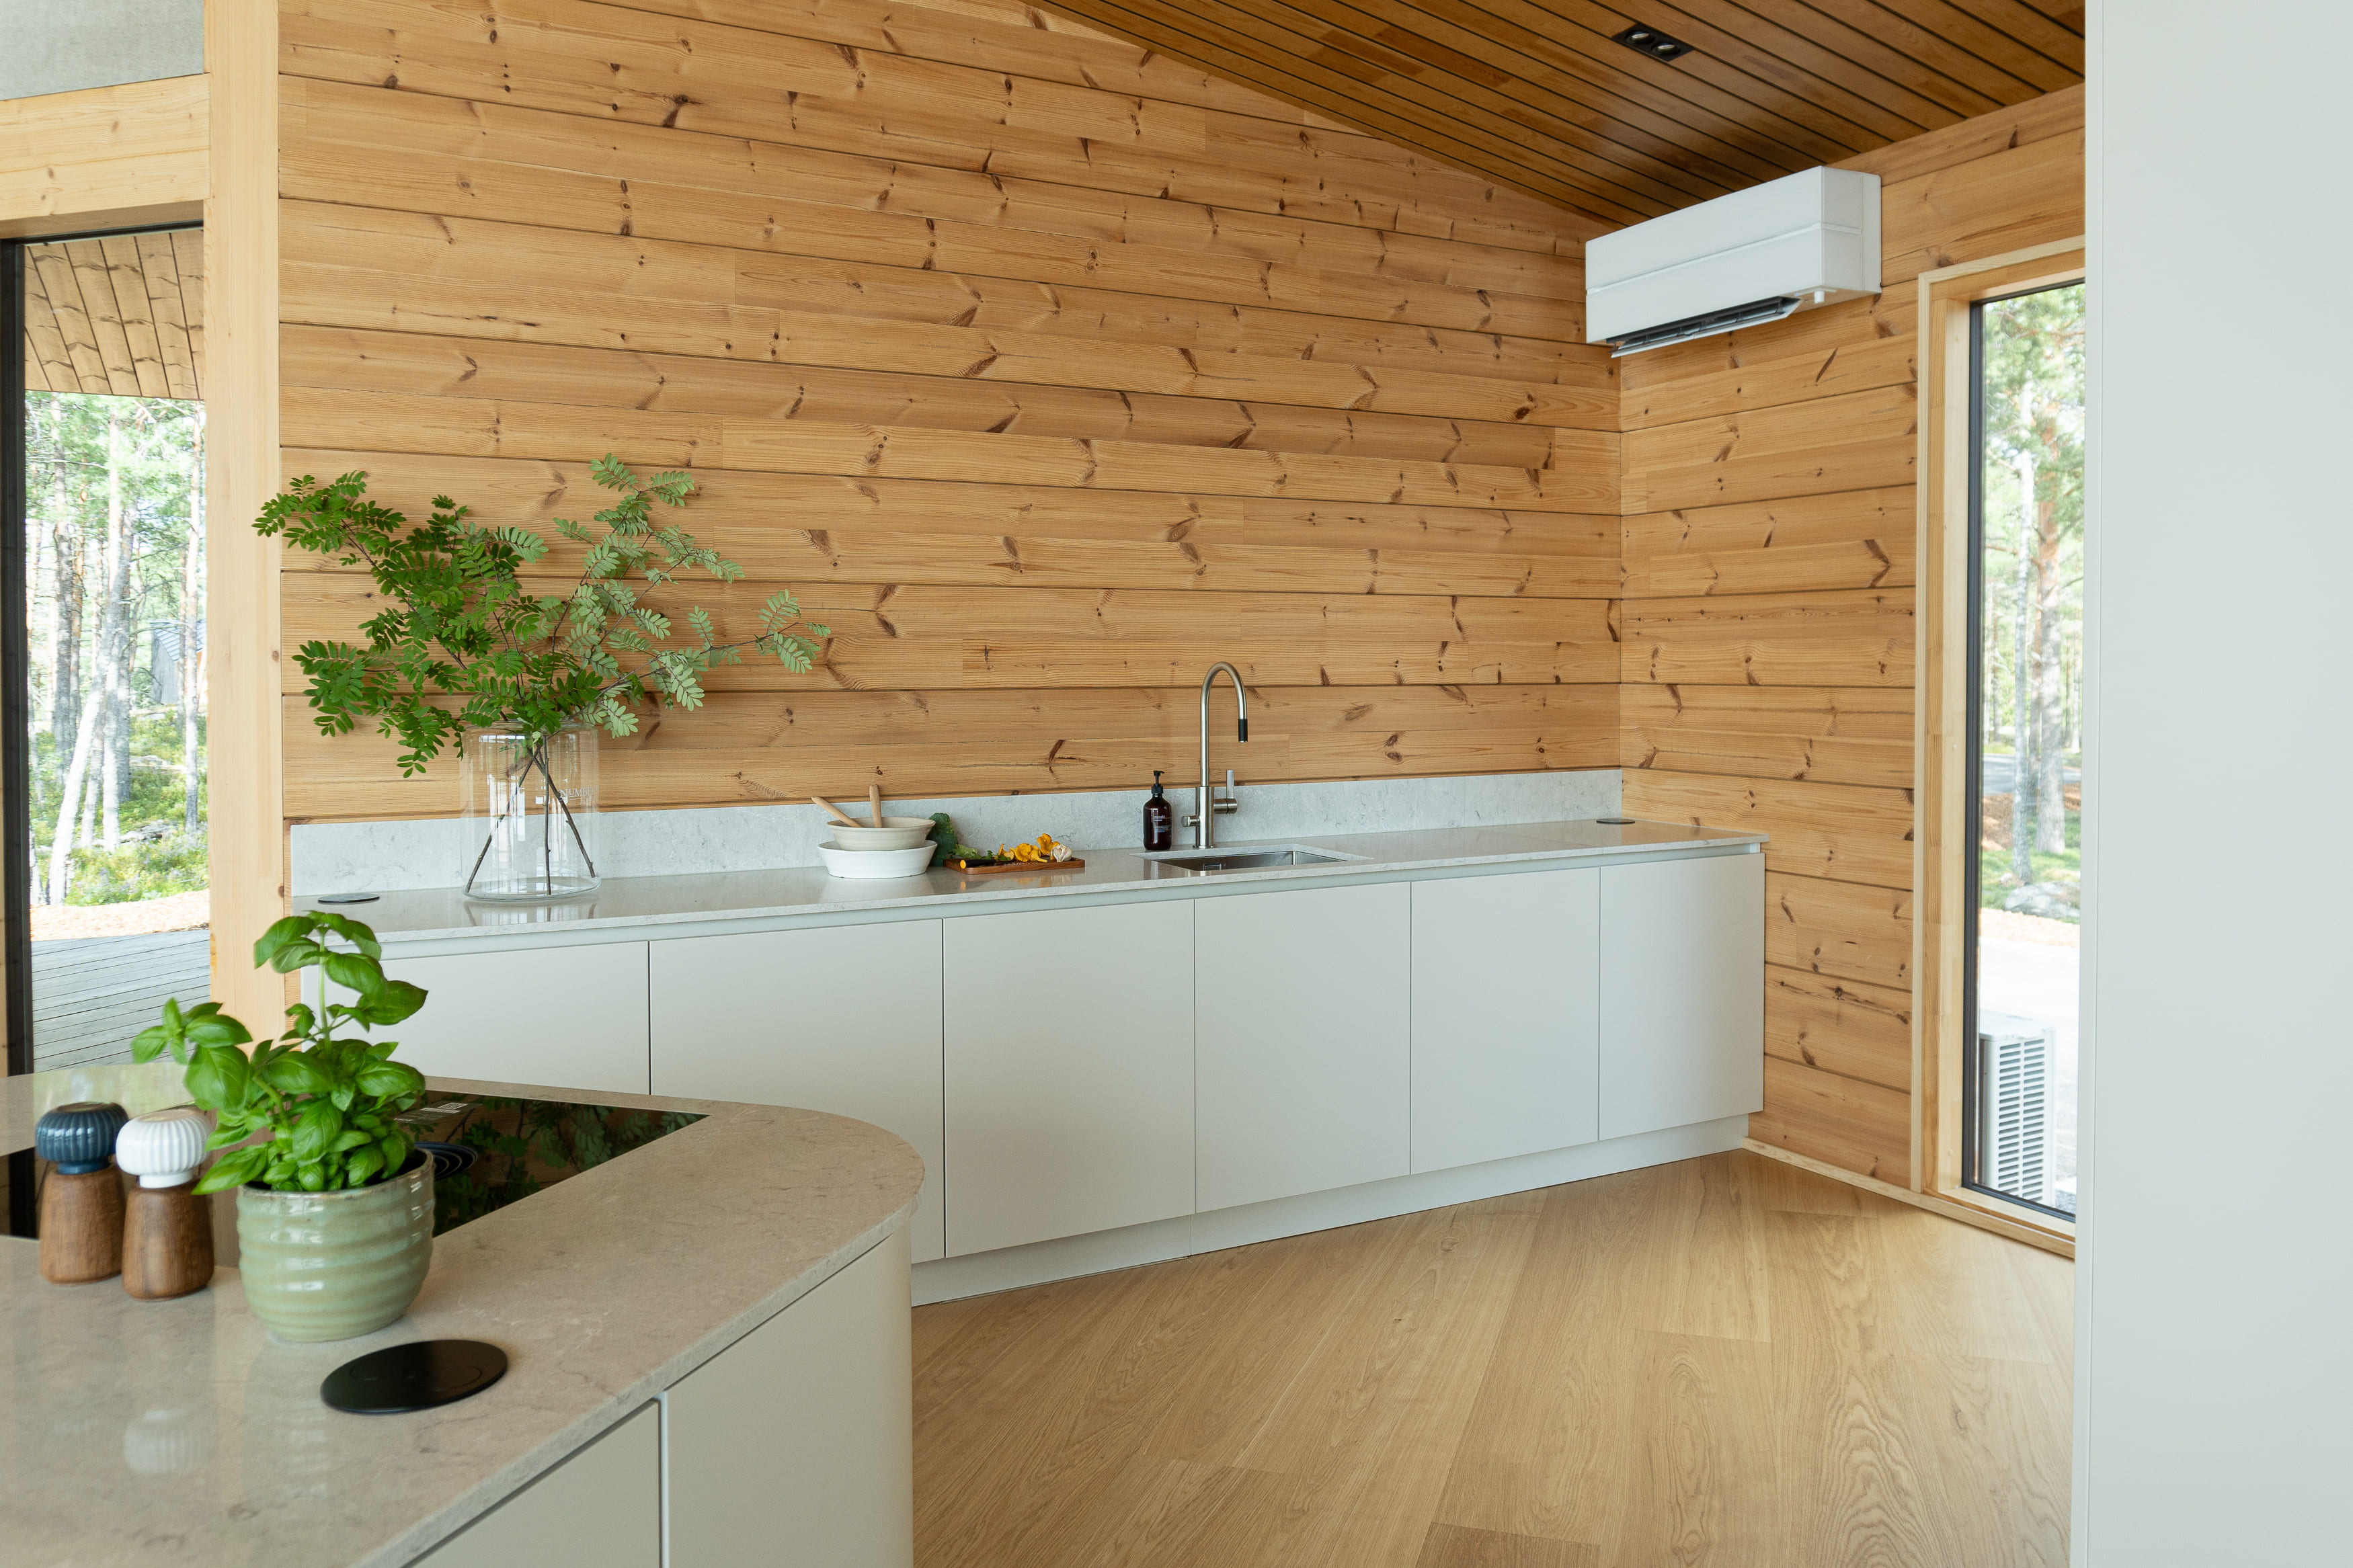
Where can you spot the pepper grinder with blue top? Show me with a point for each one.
(81, 1202)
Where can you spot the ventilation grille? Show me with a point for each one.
(1730, 318)
(2013, 1106)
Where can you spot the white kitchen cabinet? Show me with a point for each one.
(569, 1017)
(599, 1508)
(1683, 992)
(1505, 1012)
(1069, 1072)
(840, 1018)
(796, 1445)
(1300, 1023)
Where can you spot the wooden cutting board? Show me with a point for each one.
(971, 871)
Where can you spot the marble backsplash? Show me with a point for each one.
(395, 856)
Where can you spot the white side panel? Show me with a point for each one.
(1301, 1030)
(599, 1508)
(1069, 1072)
(795, 1447)
(843, 1019)
(2213, 1371)
(1506, 1014)
(569, 1017)
(1683, 992)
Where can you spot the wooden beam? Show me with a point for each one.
(105, 157)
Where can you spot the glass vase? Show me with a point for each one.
(528, 809)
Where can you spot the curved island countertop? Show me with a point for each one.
(178, 1432)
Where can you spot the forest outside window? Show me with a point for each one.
(2021, 952)
(105, 656)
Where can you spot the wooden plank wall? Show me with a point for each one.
(1768, 655)
(1047, 370)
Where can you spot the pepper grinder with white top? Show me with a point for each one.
(168, 1228)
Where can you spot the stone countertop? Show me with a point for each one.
(179, 1432)
(442, 913)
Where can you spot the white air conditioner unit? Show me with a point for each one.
(1757, 255)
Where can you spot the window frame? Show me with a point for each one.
(1945, 822)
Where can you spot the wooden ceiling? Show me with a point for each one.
(121, 316)
(1538, 94)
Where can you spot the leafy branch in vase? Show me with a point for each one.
(459, 625)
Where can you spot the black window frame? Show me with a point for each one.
(16, 649)
(1972, 1073)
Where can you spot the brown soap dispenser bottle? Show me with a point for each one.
(1159, 818)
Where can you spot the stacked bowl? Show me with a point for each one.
(901, 846)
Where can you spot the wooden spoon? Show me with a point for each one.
(874, 802)
(834, 810)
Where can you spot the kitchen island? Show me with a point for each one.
(708, 1347)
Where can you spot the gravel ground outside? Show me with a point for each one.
(180, 912)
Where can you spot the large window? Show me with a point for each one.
(2026, 601)
(104, 655)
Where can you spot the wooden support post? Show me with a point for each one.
(249, 835)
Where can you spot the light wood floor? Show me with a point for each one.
(1724, 1361)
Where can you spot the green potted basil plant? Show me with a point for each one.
(334, 1202)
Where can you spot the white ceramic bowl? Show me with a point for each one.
(840, 862)
(896, 833)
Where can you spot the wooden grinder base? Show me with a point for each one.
(167, 1242)
(82, 1227)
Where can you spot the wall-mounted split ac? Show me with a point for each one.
(1757, 255)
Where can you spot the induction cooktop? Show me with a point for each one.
(489, 1151)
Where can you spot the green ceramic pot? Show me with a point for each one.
(327, 1266)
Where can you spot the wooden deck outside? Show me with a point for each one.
(91, 995)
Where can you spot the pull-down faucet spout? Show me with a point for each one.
(1207, 806)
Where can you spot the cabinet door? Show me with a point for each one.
(599, 1508)
(1505, 1014)
(1301, 1041)
(569, 1017)
(795, 1447)
(1069, 1072)
(1683, 992)
(842, 1018)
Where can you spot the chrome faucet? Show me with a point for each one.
(1207, 806)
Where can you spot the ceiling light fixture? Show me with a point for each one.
(1651, 42)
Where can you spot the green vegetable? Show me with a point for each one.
(327, 1107)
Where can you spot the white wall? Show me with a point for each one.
(2214, 1368)
(62, 45)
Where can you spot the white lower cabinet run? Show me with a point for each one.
(843, 1019)
(1069, 1072)
(1302, 1049)
(1077, 1070)
(1506, 1014)
(569, 1017)
(1683, 992)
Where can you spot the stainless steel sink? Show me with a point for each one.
(1205, 862)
